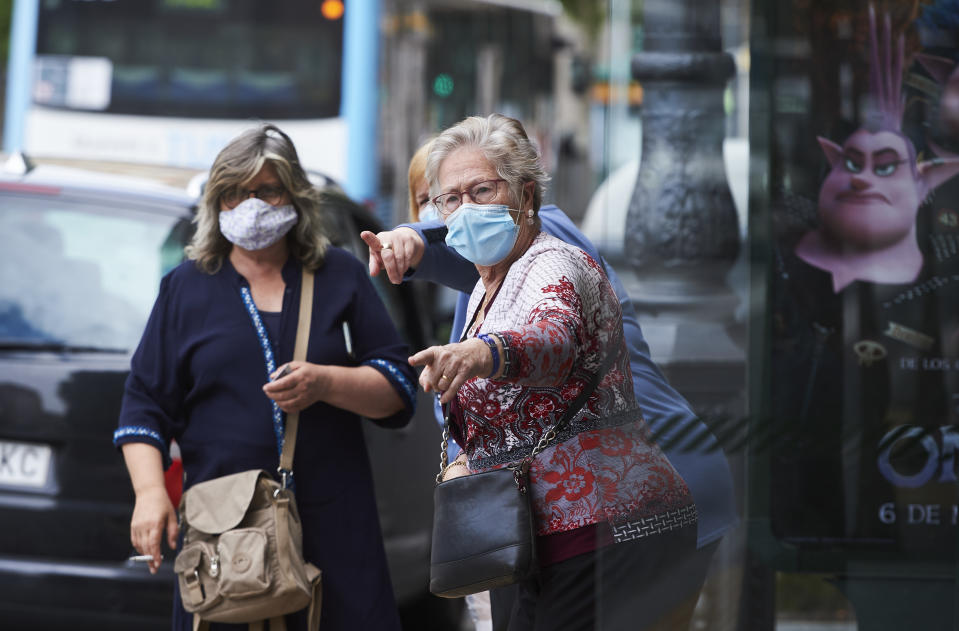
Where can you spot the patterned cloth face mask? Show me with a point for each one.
(254, 224)
(482, 233)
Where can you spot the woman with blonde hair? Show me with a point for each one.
(419, 187)
(213, 372)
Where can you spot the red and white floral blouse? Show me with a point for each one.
(558, 315)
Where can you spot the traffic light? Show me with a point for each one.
(332, 9)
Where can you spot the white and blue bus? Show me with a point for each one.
(171, 81)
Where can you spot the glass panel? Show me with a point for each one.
(863, 350)
(856, 361)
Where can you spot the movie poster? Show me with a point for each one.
(864, 285)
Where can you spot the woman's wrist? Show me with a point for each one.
(151, 491)
(507, 367)
(458, 466)
(494, 350)
(479, 357)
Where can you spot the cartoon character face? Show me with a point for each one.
(871, 196)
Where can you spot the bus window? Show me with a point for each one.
(215, 59)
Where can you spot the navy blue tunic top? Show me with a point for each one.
(197, 377)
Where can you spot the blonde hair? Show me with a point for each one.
(237, 164)
(416, 174)
(505, 145)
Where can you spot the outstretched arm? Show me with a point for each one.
(419, 251)
(393, 251)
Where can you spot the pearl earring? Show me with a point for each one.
(529, 217)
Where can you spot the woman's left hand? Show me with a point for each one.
(448, 367)
(303, 386)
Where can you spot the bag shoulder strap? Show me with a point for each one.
(299, 354)
(574, 408)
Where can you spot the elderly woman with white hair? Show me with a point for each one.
(611, 513)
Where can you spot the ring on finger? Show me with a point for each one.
(387, 245)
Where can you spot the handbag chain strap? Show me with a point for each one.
(520, 468)
(286, 441)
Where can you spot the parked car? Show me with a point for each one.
(81, 257)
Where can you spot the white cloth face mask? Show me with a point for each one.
(254, 224)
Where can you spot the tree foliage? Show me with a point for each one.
(590, 14)
(6, 9)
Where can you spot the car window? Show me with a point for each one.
(81, 275)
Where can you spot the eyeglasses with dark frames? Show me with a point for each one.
(272, 195)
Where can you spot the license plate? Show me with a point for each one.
(24, 464)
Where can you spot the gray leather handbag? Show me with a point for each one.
(483, 533)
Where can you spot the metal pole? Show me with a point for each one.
(23, 46)
(360, 96)
(682, 238)
(682, 232)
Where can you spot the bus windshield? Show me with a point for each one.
(197, 58)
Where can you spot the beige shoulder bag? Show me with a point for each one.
(242, 555)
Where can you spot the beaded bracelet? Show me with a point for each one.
(493, 350)
(507, 356)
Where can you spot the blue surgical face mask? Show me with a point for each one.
(429, 213)
(482, 233)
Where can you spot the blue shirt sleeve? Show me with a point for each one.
(440, 263)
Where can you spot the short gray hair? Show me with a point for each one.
(503, 142)
(237, 164)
